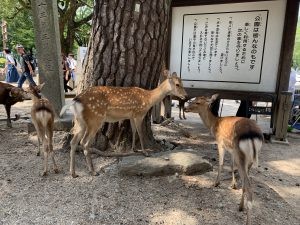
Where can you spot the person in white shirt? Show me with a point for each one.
(12, 74)
(292, 82)
(72, 64)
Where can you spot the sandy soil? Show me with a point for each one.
(28, 198)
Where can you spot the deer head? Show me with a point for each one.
(35, 91)
(176, 86)
(18, 94)
(201, 103)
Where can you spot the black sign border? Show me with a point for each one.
(263, 53)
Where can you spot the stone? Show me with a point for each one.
(47, 42)
(186, 162)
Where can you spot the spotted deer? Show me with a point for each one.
(239, 136)
(42, 115)
(100, 104)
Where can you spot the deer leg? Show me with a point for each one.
(46, 153)
(40, 135)
(86, 141)
(221, 151)
(233, 183)
(133, 128)
(183, 113)
(121, 129)
(78, 134)
(8, 122)
(55, 168)
(179, 106)
(138, 124)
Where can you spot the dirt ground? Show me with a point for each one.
(28, 198)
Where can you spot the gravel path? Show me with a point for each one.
(28, 198)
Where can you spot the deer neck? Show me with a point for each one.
(209, 119)
(35, 98)
(159, 93)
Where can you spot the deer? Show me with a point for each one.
(100, 104)
(238, 135)
(10, 95)
(181, 103)
(42, 115)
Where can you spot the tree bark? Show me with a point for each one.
(127, 48)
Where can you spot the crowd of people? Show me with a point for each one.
(27, 65)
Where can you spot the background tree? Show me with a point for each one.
(74, 22)
(127, 48)
(20, 26)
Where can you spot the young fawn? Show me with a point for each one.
(239, 136)
(42, 115)
(100, 104)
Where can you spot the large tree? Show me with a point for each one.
(127, 48)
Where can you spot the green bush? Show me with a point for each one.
(2, 62)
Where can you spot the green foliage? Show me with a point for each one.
(2, 62)
(20, 25)
(296, 55)
(74, 16)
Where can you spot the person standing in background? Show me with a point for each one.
(292, 82)
(12, 74)
(27, 67)
(66, 72)
(72, 64)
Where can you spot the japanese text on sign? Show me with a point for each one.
(226, 47)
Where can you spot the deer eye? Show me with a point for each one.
(177, 85)
(198, 103)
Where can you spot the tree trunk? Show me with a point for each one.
(127, 48)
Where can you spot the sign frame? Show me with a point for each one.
(285, 59)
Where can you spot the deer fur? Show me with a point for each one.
(100, 104)
(237, 135)
(42, 115)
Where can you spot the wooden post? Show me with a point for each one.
(285, 104)
(45, 18)
(287, 48)
(167, 107)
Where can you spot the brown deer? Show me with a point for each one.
(100, 104)
(10, 95)
(181, 103)
(42, 115)
(239, 136)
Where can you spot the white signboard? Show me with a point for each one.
(230, 46)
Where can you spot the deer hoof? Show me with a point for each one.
(234, 186)
(217, 183)
(38, 154)
(9, 125)
(146, 154)
(95, 173)
(56, 170)
(45, 173)
(241, 208)
(74, 175)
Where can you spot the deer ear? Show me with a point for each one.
(166, 73)
(214, 98)
(40, 87)
(174, 74)
(12, 92)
